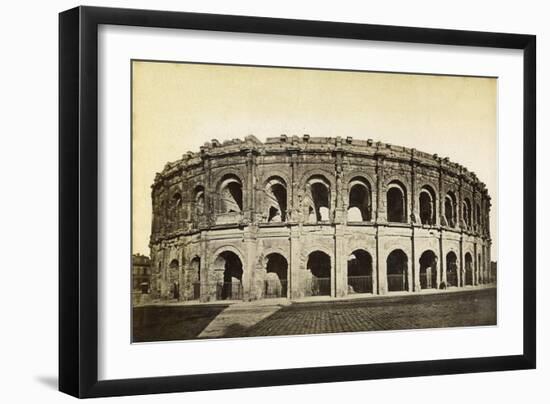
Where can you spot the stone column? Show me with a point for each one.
(490, 275)
(415, 267)
(375, 271)
(461, 270)
(436, 267)
(249, 266)
(293, 188)
(295, 285)
(475, 270)
(381, 267)
(207, 291)
(250, 186)
(340, 260)
(380, 216)
(414, 197)
(442, 262)
(441, 198)
(483, 264)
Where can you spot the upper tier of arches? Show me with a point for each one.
(313, 187)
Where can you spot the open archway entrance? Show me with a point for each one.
(396, 203)
(318, 264)
(359, 272)
(469, 269)
(194, 279)
(397, 271)
(173, 279)
(359, 207)
(276, 280)
(229, 286)
(428, 270)
(451, 269)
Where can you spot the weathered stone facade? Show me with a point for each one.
(301, 216)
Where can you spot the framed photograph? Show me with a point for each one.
(250, 201)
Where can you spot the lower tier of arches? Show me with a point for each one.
(326, 264)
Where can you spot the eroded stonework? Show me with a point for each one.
(303, 216)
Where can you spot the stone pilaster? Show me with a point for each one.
(295, 275)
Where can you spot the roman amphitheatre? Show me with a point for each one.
(301, 216)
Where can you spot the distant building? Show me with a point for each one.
(141, 273)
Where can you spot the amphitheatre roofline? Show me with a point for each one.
(294, 144)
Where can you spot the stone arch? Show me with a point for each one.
(396, 202)
(230, 191)
(317, 201)
(359, 200)
(479, 268)
(230, 269)
(427, 203)
(276, 199)
(479, 219)
(397, 271)
(318, 172)
(451, 268)
(265, 176)
(362, 175)
(194, 278)
(319, 265)
(359, 272)
(176, 201)
(468, 269)
(274, 250)
(199, 200)
(276, 282)
(428, 270)
(450, 207)
(173, 278)
(467, 212)
(224, 248)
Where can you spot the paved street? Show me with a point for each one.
(464, 308)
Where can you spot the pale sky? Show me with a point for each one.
(178, 106)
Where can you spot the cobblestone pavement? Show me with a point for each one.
(280, 317)
(468, 308)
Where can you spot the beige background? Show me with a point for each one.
(178, 106)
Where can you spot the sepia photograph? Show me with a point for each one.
(284, 201)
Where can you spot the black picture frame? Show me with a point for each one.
(78, 200)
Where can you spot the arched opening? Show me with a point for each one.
(428, 270)
(276, 280)
(469, 269)
(176, 206)
(479, 269)
(397, 271)
(359, 207)
(450, 210)
(467, 212)
(318, 263)
(359, 272)
(396, 203)
(451, 269)
(276, 200)
(427, 205)
(317, 199)
(173, 279)
(195, 278)
(229, 286)
(199, 201)
(231, 195)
